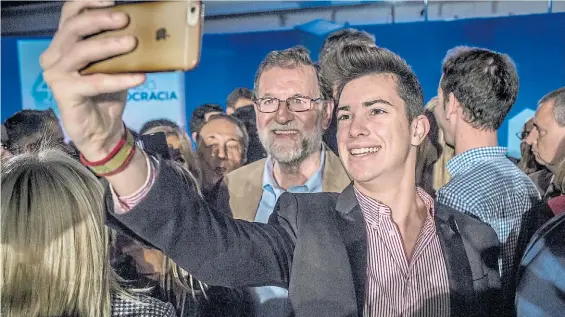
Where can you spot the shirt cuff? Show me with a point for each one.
(123, 204)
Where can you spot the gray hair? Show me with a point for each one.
(289, 58)
(558, 96)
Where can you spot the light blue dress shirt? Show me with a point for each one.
(271, 301)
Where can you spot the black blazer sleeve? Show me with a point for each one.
(207, 243)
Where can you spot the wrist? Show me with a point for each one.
(97, 153)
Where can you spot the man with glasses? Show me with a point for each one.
(292, 115)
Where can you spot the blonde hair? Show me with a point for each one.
(441, 175)
(54, 243)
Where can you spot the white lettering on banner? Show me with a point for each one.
(152, 96)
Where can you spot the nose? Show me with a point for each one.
(283, 114)
(532, 137)
(221, 154)
(358, 127)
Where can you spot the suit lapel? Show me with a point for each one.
(245, 194)
(457, 263)
(335, 178)
(351, 224)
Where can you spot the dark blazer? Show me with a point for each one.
(314, 245)
(541, 276)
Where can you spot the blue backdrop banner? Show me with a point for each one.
(162, 95)
(536, 43)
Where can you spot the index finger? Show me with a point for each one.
(72, 8)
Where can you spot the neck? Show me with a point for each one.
(471, 138)
(296, 175)
(403, 200)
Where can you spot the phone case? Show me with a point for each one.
(168, 33)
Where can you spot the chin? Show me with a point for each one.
(363, 176)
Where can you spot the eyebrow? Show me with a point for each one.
(372, 102)
(270, 95)
(537, 126)
(366, 104)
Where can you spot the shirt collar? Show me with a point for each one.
(467, 159)
(372, 209)
(312, 184)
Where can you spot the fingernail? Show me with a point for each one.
(125, 39)
(118, 16)
(136, 79)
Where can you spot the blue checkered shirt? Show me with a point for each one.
(486, 184)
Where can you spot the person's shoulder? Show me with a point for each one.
(466, 223)
(246, 171)
(137, 305)
(310, 200)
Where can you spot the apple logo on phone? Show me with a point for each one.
(161, 34)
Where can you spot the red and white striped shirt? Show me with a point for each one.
(395, 286)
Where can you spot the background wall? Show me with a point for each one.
(535, 42)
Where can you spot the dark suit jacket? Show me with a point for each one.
(314, 245)
(541, 276)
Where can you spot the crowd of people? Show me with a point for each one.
(330, 189)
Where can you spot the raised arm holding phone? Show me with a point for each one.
(91, 106)
(324, 247)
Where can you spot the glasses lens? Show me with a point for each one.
(268, 105)
(299, 104)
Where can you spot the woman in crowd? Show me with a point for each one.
(428, 153)
(55, 247)
(441, 175)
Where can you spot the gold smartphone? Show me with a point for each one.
(168, 34)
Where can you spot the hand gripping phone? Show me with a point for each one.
(168, 34)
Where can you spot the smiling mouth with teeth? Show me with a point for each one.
(285, 132)
(364, 151)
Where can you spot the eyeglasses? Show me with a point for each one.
(294, 104)
(522, 135)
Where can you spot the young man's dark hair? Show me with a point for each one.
(199, 116)
(28, 130)
(236, 95)
(362, 60)
(483, 81)
(329, 53)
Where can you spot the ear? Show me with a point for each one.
(419, 129)
(452, 106)
(194, 135)
(327, 111)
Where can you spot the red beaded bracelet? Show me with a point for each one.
(123, 166)
(108, 157)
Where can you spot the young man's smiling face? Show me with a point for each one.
(374, 135)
